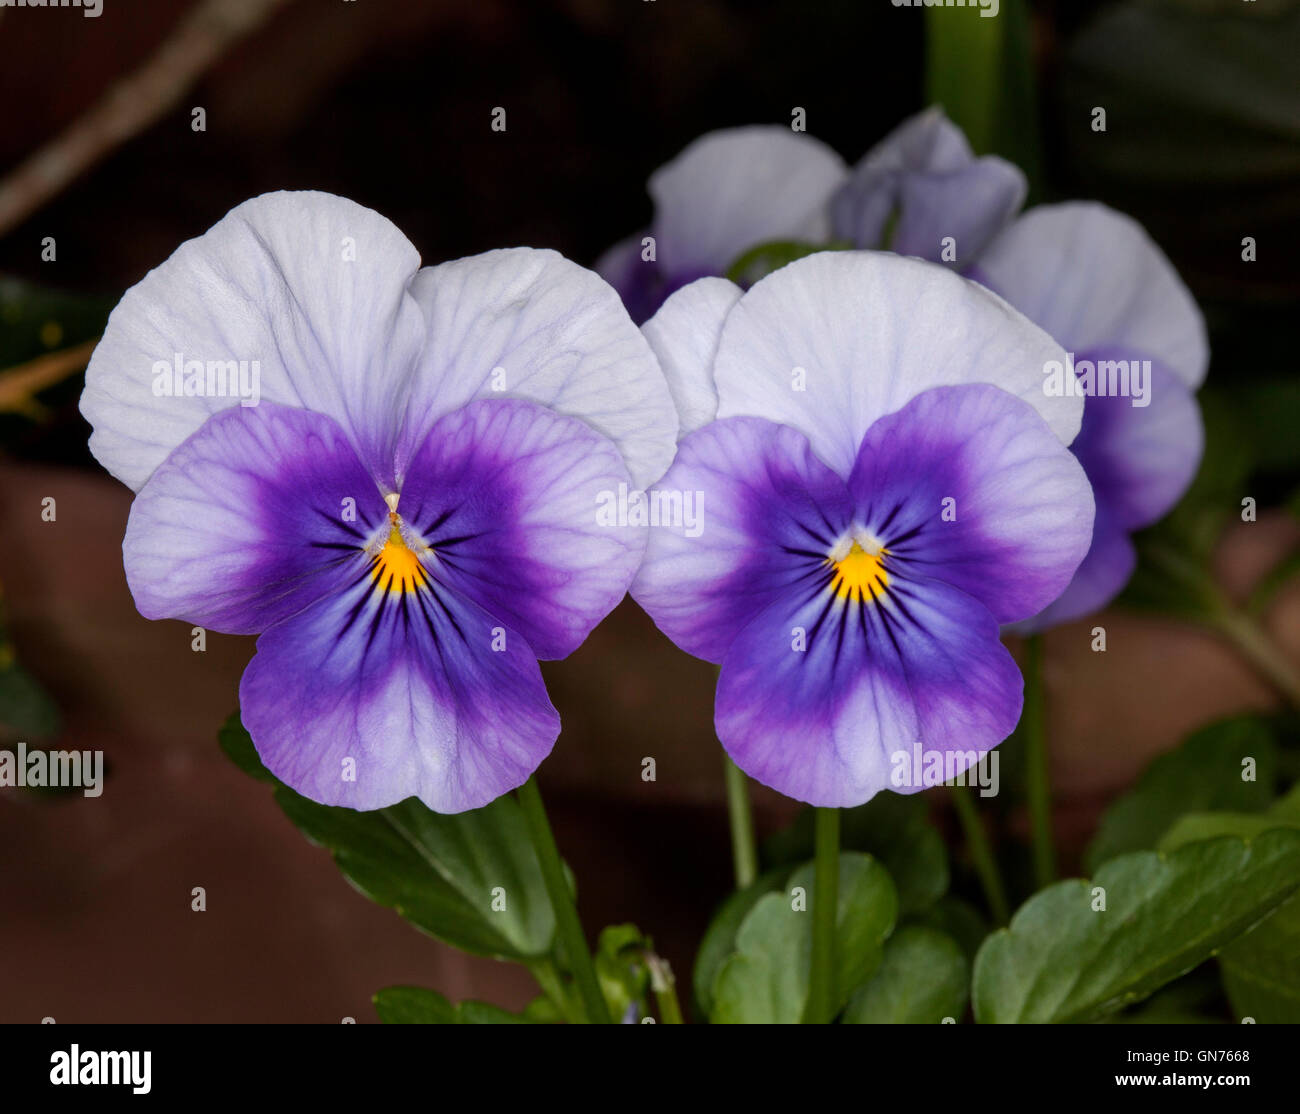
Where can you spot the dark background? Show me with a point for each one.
(389, 103)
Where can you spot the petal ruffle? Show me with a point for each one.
(509, 496)
(829, 700)
(253, 518)
(310, 286)
(684, 335)
(832, 342)
(968, 485)
(369, 697)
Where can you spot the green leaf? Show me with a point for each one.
(890, 827)
(921, 980)
(1261, 968)
(1205, 772)
(439, 872)
(26, 710)
(1165, 913)
(1196, 826)
(414, 1005)
(766, 980)
(761, 260)
(958, 918)
(719, 940)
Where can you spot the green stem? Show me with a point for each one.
(552, 985)
(664, 985)
(1036, 768)
(1256, 647)
(568, 926)
(981, 852)
(744, 849)
(825, 905)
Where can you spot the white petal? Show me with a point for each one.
(311, 286)
(1092, 276)
(834, 341)
(684, 336)
(734, 189)
(526, 323)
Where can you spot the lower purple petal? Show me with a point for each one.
(835, 722)
(371, 696)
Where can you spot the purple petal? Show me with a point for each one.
(924, 176)
(769, 512)
(917, 666)
(969, 485)
(371, 696)
(1094, 279)
(639, 282)
(1099, 579)
(1140, 458)
(508, 495)
(246, 522)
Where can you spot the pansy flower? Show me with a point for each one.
(921, 190)
(883, 483)
(390, 474)
(1097, 282)
(727, 192)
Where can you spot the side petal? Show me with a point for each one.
(369, 697)
(509, 495)
(731, 190)
(829, 700)
(526, 323)
(968, 485)
(766, 514)
(684, 336)
(253, 518)
(639, 282)
(1140, 454)
(307, 288)
(832, 342)
(1099, 579)
(1093, 278)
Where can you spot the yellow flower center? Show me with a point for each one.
(397, 568)
(859, 574)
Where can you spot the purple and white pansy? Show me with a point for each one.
(884, 483)
(403, 507)
(1092, 277)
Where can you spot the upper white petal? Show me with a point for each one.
(1092, 276)
(684, 336)
(733, 189)
(528, 323)
(311, 286)
(834, 341)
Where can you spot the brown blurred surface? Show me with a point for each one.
(95, 893)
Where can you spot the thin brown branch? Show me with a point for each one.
(19, 385)
(132, 104)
